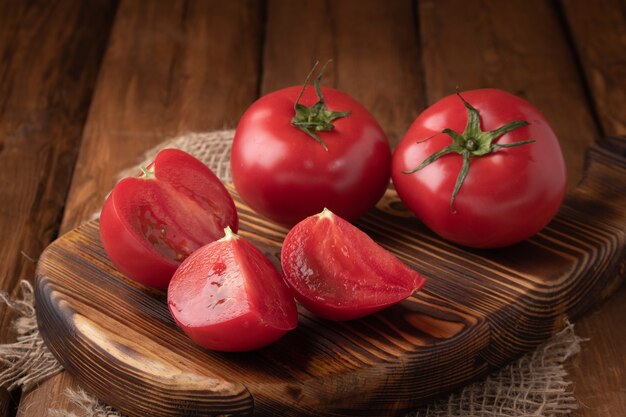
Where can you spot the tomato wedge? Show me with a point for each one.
(339, 273)
(227, 296)
(150, 224)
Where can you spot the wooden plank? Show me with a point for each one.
(518, 46)
(598, 30)
(171, 67)
(49, 395)
(49, 58)
(165, 73)
(599, 370)
(373, 45)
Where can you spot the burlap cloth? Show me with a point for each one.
(535, 385)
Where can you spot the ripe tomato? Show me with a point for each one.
(290, 161)
(482, 169)
(227, 296)
(339, 273)
(151, 223)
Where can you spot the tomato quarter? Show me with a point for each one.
(227, 296)
(150, 224)
(339, 273)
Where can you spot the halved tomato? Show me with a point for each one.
(338, 272)
(150, 224)
(227, 296)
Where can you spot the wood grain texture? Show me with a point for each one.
(373, 45)
(119, 117)
(158, 80)
(50, 53)
(479, 310)
(163, 74)
(519, 46)
(598, 30)
(599, 370)
(47, 79)
(51, 394)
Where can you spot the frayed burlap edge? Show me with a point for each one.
(534, 385)
(27, 361)
(87, 406)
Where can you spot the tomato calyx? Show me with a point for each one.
(326, 214)
(473, 142)
(229, 234)
(148, 173)
(316, 118)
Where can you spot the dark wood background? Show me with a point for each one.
(87, 86)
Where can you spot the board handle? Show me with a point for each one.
(606, 153)
(601, 194)
(610, 149)
(600, 202)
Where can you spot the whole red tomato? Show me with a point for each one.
(292, 156)
(150, 224)
(228, 296)
(482, 168)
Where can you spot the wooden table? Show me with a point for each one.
(87, 86)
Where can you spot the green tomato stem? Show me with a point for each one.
(316, 118)
(147, 173)
(472, 143)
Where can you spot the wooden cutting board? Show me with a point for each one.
(479, 310)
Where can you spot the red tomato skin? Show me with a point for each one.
(285, 175)
(182, 190)
(253, 307)
(339, 273)
(508, 195)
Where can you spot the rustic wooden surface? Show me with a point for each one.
(119, 340)
(161, 74)
(50, 55)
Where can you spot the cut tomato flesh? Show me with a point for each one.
(227, 296)
(211, 291)
(191, 179)
(150, 224)
(161, 217)
(338, 272)
(181, 207)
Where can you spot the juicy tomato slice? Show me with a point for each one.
(339, 273)
(227, 296)
(151, 223)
